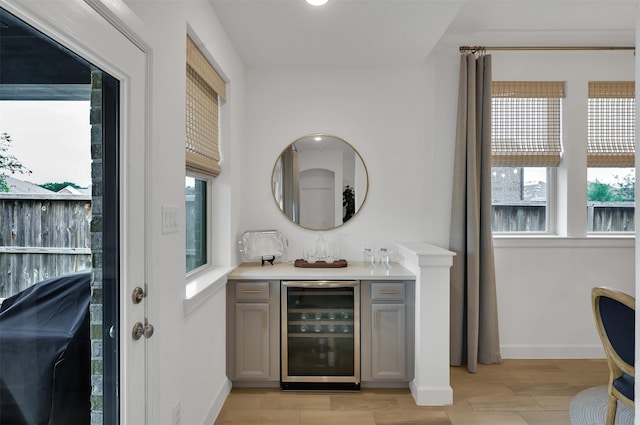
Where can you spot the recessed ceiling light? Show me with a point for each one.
(317, 2)
(317, 138)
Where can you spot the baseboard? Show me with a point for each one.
(384, 384)
(218, 401)
(551, 351)
(255, 384)
(431, 395)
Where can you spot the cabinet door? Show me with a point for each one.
(252, 341)
(388, 341)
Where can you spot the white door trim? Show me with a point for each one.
(118, 14)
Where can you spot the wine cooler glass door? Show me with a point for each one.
(321, 331)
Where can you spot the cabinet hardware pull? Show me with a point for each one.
(375, 320)
(389, 292)
(251, 291)
(264, 320)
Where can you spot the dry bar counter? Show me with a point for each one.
(345, 327)
(287, 271)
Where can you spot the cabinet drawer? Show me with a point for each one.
(252, 291)
(387, 292)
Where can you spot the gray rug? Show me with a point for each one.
(589, 407)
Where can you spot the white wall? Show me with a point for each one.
(544, 286)
(386, 115)
(544, 294)
(188, 348)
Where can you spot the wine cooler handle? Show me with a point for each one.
(321, 283)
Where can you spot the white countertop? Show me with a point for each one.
(287, 271)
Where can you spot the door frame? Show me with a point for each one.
(133, 237)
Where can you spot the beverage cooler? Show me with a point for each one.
(320, 335)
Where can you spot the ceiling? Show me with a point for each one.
(399, 33)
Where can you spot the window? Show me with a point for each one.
(196, 222)
(611, 156)
(519, 199)
(204, 91)
(526, 147)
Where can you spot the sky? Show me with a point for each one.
(51, 138)
(603, 175)
(609, 175)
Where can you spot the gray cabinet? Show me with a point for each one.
(388, 342)
(387, 331)
(253, 350)
(252, 341)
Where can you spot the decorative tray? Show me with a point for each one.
(264, 245)
(320, 264)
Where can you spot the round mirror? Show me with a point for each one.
(320, 182)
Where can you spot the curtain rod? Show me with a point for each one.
(477, 49)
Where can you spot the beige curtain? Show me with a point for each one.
(474, 317)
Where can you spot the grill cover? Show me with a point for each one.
(45, 353)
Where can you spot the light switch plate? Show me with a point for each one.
(169, 219)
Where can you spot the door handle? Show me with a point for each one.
(138, 295)
(148, 330)
(139, 330)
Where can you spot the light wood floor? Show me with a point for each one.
(516, 392)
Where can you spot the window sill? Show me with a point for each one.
(554, 241)
(203, 285)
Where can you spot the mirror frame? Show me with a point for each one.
(337, 138)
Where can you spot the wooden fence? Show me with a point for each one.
(529, 217)
(42, 236)
(611, 216)
(519, 218)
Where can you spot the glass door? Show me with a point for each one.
(320, 333)
(87, 225)
(57, 125)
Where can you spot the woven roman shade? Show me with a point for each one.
(611, 124)
(526, 123)
(204, 89)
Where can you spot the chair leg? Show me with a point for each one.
(611, 410)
